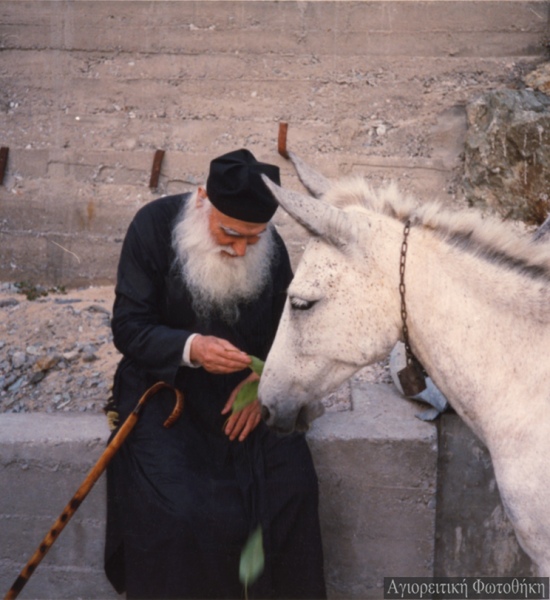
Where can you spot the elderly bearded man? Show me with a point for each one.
(201, 285)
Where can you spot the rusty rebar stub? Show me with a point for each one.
(283, 128)
(155, 171)
(3, 162)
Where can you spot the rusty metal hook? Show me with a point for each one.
(89, 482)
(281, 142)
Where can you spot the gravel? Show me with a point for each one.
(56, 350)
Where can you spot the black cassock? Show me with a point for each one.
(183, 501)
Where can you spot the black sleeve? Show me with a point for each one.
(138, 331)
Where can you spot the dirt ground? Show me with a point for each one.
(57, 352)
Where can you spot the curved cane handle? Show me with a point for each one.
(178, 408)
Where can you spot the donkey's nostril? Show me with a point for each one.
(265, 413)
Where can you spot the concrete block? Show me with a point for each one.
(43, 461)
(29, 163)
(61, 257)
(448, 17)
(377, 474)
(474, 535)
(223, 27)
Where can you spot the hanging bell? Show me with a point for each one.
(412, 378)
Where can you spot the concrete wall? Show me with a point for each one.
(90, 90)
(397, 499)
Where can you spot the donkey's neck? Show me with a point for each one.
(481, 331)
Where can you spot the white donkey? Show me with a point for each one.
(477, 300)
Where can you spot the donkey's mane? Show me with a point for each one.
(485, 236)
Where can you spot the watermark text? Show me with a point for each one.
(466, 588)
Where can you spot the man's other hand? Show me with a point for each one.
(240, 424)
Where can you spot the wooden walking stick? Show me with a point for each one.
(90, 480)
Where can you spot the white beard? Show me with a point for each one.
(218, 283)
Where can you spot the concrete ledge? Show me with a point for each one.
(377, 468)
(399, 497)
(474, 535)
(43, 460)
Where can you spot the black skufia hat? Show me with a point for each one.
(235, 187)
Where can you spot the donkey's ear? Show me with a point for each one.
(315, 183)
(335, 226)
(542, 234)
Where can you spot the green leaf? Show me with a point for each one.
(257, 365)
(252, 558)
(247, 394)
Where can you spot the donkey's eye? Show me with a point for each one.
(301, 304)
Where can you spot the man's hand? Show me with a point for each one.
(217, 355)
(243, 422)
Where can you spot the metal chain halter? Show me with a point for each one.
(402, 289)
(412, 376)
